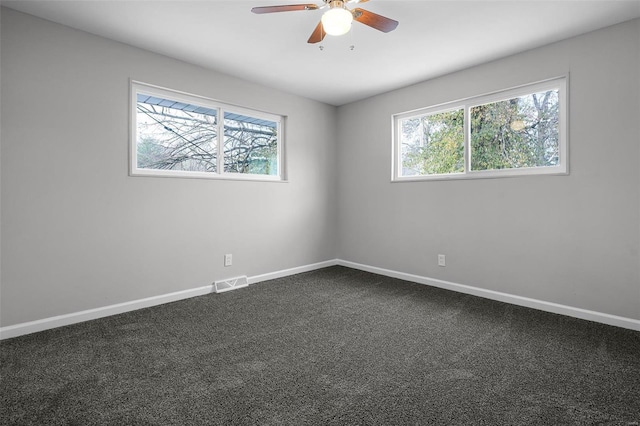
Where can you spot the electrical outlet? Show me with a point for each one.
(442, 260)
(228, 260)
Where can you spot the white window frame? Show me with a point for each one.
(161, 92)
(562, 168)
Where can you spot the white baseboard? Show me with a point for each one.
(286, 272)
(91, 314)
(105, 311)
(541, 305)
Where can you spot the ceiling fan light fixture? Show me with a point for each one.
(337, 20)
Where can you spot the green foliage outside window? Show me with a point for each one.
(433, 144)
(519, 132)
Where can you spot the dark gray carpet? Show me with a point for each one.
(334, 346)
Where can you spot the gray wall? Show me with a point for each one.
(79, 233)
(571, 240)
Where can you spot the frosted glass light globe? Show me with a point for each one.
(337, 21)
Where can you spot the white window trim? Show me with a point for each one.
(140, 87)
(562, 168)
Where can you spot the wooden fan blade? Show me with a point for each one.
(379, 22)
(356, 1)
(318, 34)
(284, 8)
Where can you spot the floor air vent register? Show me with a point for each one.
(230, 284)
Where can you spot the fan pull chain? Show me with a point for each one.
(353, 44)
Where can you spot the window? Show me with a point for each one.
(176, 134)
(520, 131)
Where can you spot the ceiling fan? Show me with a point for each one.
(337, 20)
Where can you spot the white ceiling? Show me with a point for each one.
(432, 39)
